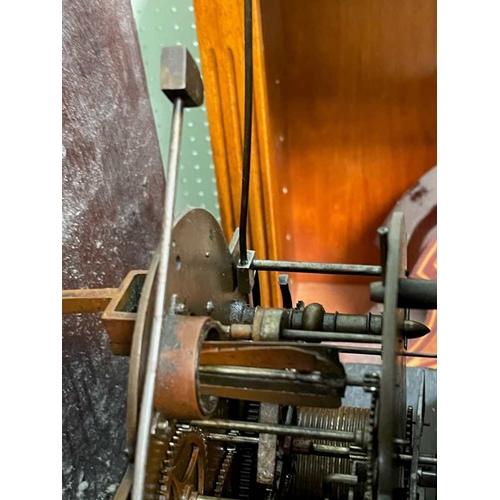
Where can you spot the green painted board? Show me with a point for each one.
(161, 23)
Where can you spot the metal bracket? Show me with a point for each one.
(266, 455)
(246, 275)
(286, 295)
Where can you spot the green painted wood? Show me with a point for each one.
(162, 23)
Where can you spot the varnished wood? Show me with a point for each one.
(426, 268)
(345, 108)
(360, 104)
(220, 34)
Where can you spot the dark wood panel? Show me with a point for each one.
(112, 194)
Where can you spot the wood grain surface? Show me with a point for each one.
(345, 106)
(360, 111)
(220, 35)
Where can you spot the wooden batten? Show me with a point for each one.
(220, 34)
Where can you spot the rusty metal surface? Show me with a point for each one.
(138, 353)
(267, 447)
(87, 300)
(120, 315)
(119, 306)
(180, 76)
(157, 452)
(200, 264)
(250, 358)
(165, 247)
(201, 257)
(112, 186)
(183, 471)
(393, 374)
(417, 440)
(266, 324)
(176, 391)
(306, 358)
(177, 464)
(282, 396)
(312, 469)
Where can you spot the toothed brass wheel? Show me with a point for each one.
(176, 465)
(224, 473)
(184, 468)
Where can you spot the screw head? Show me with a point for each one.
(210, 307)
(180, 308)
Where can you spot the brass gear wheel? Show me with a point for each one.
(184, 467)
(225, 472)
(176, 464)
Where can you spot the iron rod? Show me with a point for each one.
(383, 233)
(427, 460)
(378, 352)
(146, 412)
(427, 479)
(418, 354)
(282, 430)
(247, 132)
(422, 459)
(317, 449)
(317, 336)
(335, 477)
(425, 474)
(339, 348)
(335, 451)
(355, 380)
(316, 267)
(229, 438)
(265, 373)
(240, 315)
(413, 293)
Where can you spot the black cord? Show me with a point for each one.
(247, 134)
